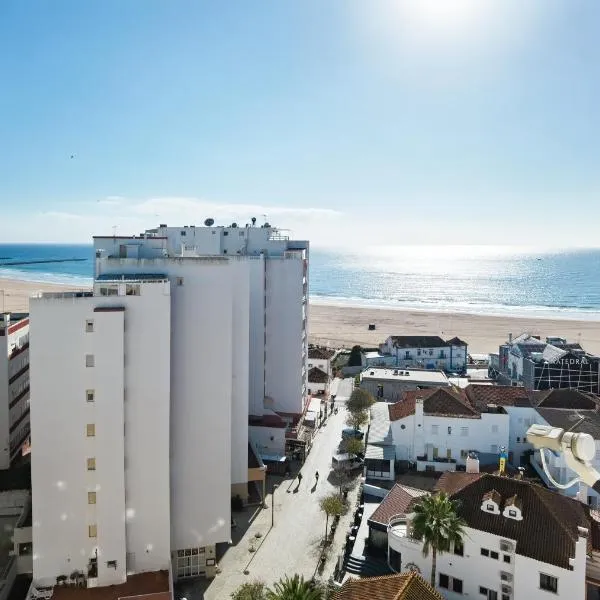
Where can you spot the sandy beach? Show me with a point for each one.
(346, 326)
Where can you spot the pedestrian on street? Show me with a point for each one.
(299, 478)
(317, 475)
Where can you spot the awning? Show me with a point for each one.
(380, 452)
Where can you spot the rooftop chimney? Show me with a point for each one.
(510, 338)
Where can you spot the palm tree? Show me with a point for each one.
(250, 591)
(438, 525)
(295, 588)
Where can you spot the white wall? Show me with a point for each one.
(477, 571)
(285, 367)
(320, 363)
(257, 336)
(130, 412)
(268, 440)
(521, 418)
(465, 434)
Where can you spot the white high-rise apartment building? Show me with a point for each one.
(14, 386)
(188, 332)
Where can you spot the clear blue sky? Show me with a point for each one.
(408, 119)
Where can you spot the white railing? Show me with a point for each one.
(402, 534)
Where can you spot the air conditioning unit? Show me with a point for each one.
(504, 576)
(506, 546)
(507, 590)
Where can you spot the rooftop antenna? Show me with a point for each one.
(114, 228)
(265, 218)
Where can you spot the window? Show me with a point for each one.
(449, 430)
(89, 360)
(91, 464)
(179, 281)
(548, 583)
(507, 558)
(512, 513)
(464, 453)
(132, 289)
(494, 428)
(518, 439)
(494, 555)
(92, 531)
(464, 431)
(91, 497)
(491, 507)
(183, 233)
(25, 549)
(459, 549)
(485, 551)
(90, 430)
(448, 452)
(444, 581)
(89, 326)
(89, 395)
(111, 564)
(436, 452)
(434, 429)
(489, 594)
(457, 585)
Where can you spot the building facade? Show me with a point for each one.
(437, 429)
(425, 352)
(503, 554)
(14, 386)
(390, 384)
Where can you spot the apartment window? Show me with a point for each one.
(25, 549)
(91, 464)
(459, 549)
(179, 281)
(448, 453)
(89, 326)
(111, 564)
(436, 452)
(92, 531)
(91, 497)
(494, 428)
(548, 583)
(434, 429)
(444, 581)
(494, 555)
(89, 395)
(90, 430)
(518, 439)
(464, 453)
(489, 594)
(464, 431)
(449, 430)
(485, 552)
(457, 585)
(512, 513)
(89, 360)
(507, 558)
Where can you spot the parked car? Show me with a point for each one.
(346, 462)
(349, 433)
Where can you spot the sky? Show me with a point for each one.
(346, 122)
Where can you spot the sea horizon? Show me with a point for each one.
(505, 281)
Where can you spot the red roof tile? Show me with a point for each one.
(141, 584)
(502, 395)
(442, 402)
(404, 586)
(397, 502)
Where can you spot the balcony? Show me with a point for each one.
(398, 529)
(437, 464)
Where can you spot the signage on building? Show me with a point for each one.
(573, 361)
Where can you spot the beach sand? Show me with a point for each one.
(346, 326)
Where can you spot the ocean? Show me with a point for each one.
(487, 280)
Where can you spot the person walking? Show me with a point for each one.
(317, 475)
(299, 478)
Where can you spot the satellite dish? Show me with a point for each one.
(267, 225)
(253, 221)
(209, 222)
(234, 225)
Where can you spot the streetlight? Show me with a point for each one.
(275, 486)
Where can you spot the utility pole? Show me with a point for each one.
(275, 486)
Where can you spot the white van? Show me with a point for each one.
(347, 462)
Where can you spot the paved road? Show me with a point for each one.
(291, 546)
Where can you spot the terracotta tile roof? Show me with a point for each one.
(564, 398)
(397, 502)
(320, 353)
(418, 341)
(404, 586)
(549, 529)
(141, 584)
(453, 482)
(456, 341)
(502, 395)
(315, 375)
(441, 402)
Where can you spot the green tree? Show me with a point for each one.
(357, 419)
(353, 446)
(355, 358)
(437, 524)
(295, 588)
(250, 591)
(360, 400)
(332, 506)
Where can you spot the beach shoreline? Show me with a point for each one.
(340, 325)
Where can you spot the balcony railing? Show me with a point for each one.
(436, 459)
(399, 528)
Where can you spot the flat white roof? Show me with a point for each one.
(424, 376)
(373, 355)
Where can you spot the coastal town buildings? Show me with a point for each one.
(190, 335)
(421, 352)
(520, 541)
(320, 358)
(390, 384)
(437, 429)
(540, 365)
(14, 386)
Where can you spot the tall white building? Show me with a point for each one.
(14, 386)
(189, 332)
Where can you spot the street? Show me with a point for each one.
(291, 546)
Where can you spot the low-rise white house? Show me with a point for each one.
(425, 352)
(521, 540)
(318, 382)
(14, 386)
(437, 429)
(320, 358)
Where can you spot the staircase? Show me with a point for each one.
(366, 566)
